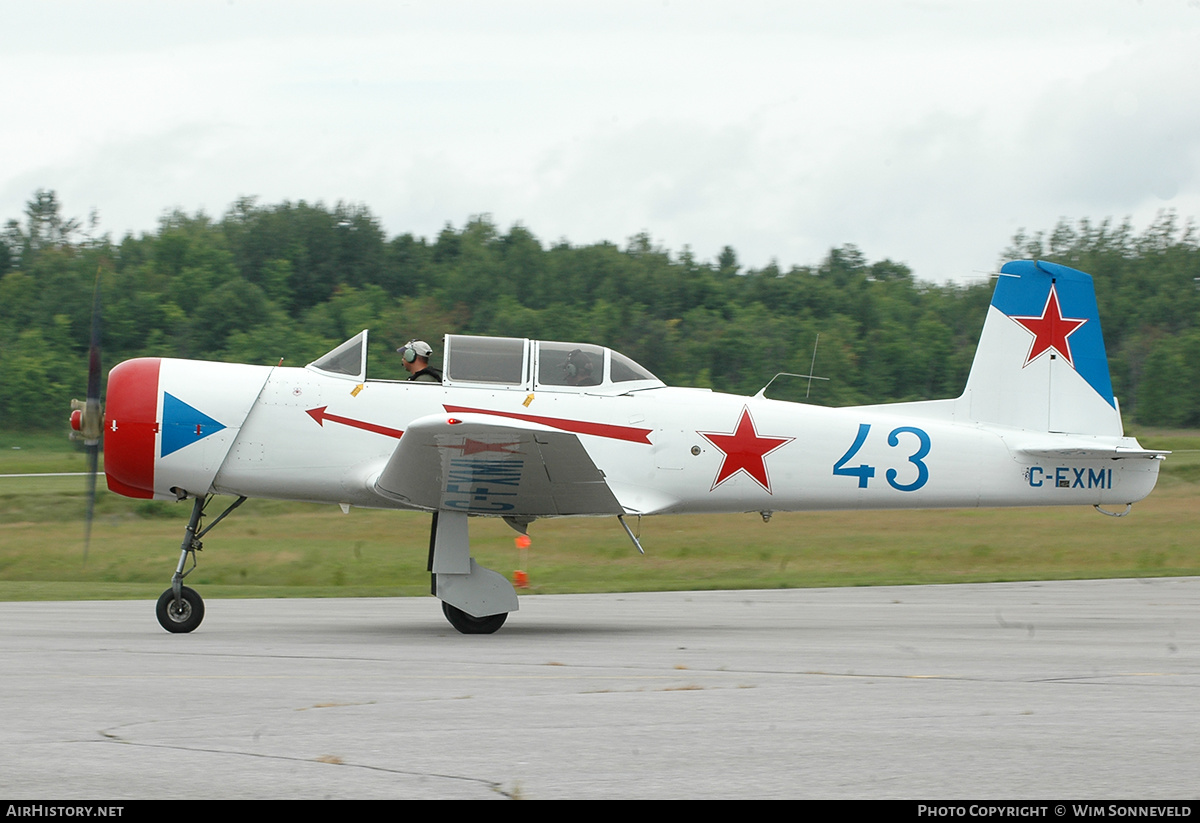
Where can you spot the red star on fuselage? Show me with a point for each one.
(744, 451)
(1050, 331)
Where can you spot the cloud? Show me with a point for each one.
(927, 132)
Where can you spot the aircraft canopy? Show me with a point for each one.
(513, 363)
(519, 363)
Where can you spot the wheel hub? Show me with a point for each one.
(180, 610)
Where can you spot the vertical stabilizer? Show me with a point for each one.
(1041, 363)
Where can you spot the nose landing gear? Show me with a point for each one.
(180, 609)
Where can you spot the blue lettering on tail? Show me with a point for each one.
(1068, 477)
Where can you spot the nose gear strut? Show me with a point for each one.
(180, 609)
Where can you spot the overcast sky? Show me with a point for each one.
(925, 132)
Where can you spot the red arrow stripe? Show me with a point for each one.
(321, 416)
(630, 433)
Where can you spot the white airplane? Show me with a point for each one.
(523, 429)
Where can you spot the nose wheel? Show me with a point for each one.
(182, 614)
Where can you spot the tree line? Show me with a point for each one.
(292, 280)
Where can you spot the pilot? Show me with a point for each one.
(415, 356)
(579, 369)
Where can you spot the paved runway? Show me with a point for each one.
(1085, 689)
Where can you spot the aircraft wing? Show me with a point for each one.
(486, 465)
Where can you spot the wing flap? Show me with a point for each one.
(478, 465)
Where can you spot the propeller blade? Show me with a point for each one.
(93, 455)
(93, 417)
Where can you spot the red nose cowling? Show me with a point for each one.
(130, 427)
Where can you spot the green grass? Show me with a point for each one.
(22, 452)
(273, 549)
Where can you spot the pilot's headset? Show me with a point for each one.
(413, 349)
(577, 362)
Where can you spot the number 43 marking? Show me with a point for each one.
(864, 472)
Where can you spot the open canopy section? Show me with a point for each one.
(348, 360)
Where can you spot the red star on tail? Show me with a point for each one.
(1050, 331)
(744, 451)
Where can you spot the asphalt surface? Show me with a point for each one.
(1084, 689)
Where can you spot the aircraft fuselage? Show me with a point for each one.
(194, 427)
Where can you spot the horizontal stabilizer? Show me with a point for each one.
(1093, 453)
(477, 464)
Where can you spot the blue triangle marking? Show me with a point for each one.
(183, 425)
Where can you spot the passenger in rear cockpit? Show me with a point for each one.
(579, 369)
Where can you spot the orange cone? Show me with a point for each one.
(520, 578)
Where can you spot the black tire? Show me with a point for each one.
(469, 624)
(181, 617)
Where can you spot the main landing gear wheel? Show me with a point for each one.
(469, 624)
(184, 615)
